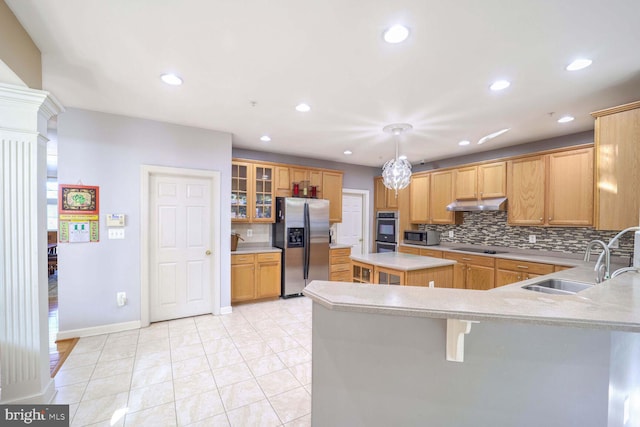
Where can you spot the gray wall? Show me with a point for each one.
(382, 370)
(107, 150)
(516, 150)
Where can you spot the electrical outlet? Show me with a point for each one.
(121, 298)
(116, 233)
(432, 284)
(249, 232)
(532, 238)
(451, 234)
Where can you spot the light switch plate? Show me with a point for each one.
(116, 233)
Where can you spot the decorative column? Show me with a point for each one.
(24, 330)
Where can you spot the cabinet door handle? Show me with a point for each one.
(540, 219)
(466, 259)
(519, 277)
(550, 218)
(523, 266)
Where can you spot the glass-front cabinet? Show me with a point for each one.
(240, 181)
(251, 192)
(263, 191)
(362, 273)
(387, 276)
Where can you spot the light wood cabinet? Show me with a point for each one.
(419, 199)
(340, 265)
(441, 193)
(383, 197)
(434, 253)
(313, 176)
(526, 186)
(511, 271)
(554, 189)
(388, 276)
(481, 182)
(570, 188)
(617, 167)
(361, 272)
(408, 250)
(429, 195)
(252, 192)
(466, 187)
(472, 271)
(243, 278)
(283, 182)
(332, 191)
(255, 276)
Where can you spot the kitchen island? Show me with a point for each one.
(394, 268)
(395, 355)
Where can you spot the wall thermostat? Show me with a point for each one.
(115, 220)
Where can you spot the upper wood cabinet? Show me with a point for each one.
(419, 199)
(441, 193)
(526, 182)
(383, 197)
(429, 195)
(251, 192)
(480, 182)
(332, 191)
(254, 187)
(283, 182)
(617, 166)
(492, 180)
(554, 189)
(570, 188)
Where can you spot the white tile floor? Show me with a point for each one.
(249, 368)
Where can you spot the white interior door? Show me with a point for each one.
(180, 246)
(350, 231)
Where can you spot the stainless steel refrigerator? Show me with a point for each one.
(301, 230)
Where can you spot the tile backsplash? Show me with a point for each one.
(260, 233)
(491, 229)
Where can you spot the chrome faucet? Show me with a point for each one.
(607, 260)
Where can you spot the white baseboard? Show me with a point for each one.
(45, 396)
(226, 310)
(98, 330)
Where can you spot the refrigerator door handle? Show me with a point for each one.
(307, 241)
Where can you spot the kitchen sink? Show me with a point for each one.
(558, 287)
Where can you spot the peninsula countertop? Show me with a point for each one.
(402, 262)
(611, 305)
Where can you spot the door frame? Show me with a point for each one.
(145, 174)
(364, 194)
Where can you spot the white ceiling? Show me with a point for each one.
(108, 55)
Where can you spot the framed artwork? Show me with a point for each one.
(78, 199)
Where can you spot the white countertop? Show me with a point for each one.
(531, 255)
(254, 249)
(611, 305)
(338, 246)
(402, 262)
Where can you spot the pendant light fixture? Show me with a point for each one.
(396, 173)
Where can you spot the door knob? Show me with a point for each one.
(207, 252)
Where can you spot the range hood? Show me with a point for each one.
(493, 204)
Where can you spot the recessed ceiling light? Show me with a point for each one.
(265, 138)
(303, 108)
(171, 79)
(579, 64)
(500, 85)
(396, 34)
(348, 152)
(402, 157)
(565, 119)
(465, 142)
(492, 135)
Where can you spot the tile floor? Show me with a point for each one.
(249, 368)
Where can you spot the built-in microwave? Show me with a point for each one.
(422, 238)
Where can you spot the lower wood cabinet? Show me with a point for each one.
(511, 271)
(472, 271)
(433, 253)
(442, 277)
(255, 276)
(340, 265)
